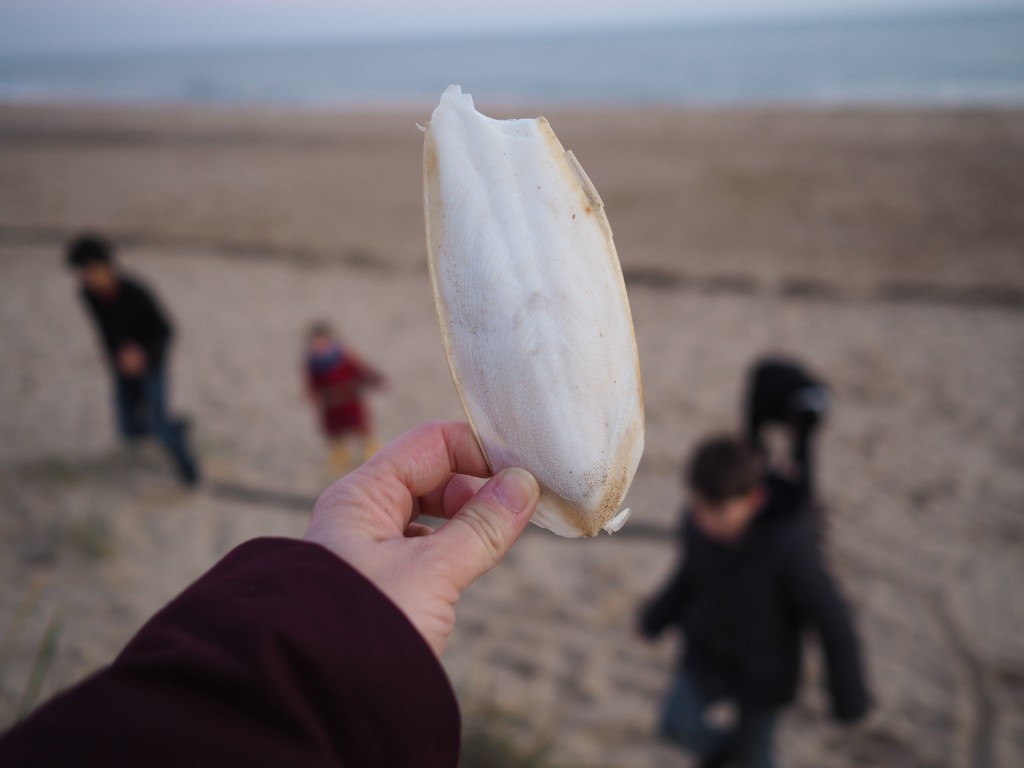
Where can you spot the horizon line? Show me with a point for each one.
(695, 23)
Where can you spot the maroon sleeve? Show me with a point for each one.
(282, 654)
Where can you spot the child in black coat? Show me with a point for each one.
(751, 581)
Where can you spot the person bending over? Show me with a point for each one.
(783, 393)
(136, 336)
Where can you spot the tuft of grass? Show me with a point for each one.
(46, 651)
(14, 705)
(486, 743)
(492, 738)
(91, 537)
(54, 470)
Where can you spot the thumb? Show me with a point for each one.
(479, 534)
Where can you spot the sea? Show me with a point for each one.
(942, 60)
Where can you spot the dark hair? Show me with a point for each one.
(722, 468)
(319, 328)
(89, 249)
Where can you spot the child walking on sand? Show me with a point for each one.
(336, 381)
(751, 581)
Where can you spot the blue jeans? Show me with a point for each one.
(141, 404)
(747, 744)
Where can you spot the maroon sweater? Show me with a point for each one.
(282, 654)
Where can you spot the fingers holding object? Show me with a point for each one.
(481, 531)
(425, 457)
(386, 491)
(447, 499)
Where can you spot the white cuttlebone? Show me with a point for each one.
(533, 311)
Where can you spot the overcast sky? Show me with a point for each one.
(62, 26)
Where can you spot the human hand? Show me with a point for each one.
(368, 518)
(131, 359)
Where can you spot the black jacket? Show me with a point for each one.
(773, 398)
(743, 610)
(130, 315)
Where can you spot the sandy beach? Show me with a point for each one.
(885, 248)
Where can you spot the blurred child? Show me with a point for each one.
(751, 580)
(783, 393)
(336, 381)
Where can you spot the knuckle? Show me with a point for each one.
(488, 527)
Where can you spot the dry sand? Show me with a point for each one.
(885, 248)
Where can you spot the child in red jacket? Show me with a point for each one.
(336, 381)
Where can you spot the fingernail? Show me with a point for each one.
(516, 490)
